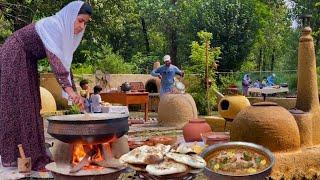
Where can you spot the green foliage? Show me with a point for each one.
(225, 80)
(44, 66)
(106, 60)
(198, 91)
(83, 68)
(248, 65)
(201, 55)
(74, 109)
(276, 42)
(144, 62)
(5, 29)
(234, 25)
(241, 28)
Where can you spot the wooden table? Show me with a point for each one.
(268, 90)
(128, 98)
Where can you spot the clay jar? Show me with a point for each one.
(230, 106)
(192, 131)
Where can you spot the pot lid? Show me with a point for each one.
(87, 117)
(265, 104)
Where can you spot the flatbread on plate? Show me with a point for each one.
(184, 149)
(146, 154)
(138, 167)
(166, 167)
(193, 160)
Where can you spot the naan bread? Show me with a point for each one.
(195, 171)
(146, 154)
(184, 149)
(194, 161)
(165, 168)
(137, 167)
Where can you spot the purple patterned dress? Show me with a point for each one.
(20, 103)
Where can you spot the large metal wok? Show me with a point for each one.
(88, 128)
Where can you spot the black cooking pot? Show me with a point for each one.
(88, 129)
(125, 87)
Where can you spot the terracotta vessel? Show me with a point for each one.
(230, 106)
(166, 140)
(192, 131)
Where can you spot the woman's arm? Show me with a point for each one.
(72, 81)
(62, 77)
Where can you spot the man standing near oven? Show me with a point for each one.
(166, 73)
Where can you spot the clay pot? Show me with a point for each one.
(211, 138)
(230, 106)
(166, 140)
(125, 87)
(192, 131)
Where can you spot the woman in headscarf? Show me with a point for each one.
(55, 37)
(245, 84)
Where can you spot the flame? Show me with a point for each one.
(79, 152)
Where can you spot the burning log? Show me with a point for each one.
(85, 161)
(109, 161)
(100, 155)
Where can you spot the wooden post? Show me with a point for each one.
(207, 78)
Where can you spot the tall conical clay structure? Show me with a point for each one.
(307, 97)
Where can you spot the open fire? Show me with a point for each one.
(93, 157)
(85, 148)
(79, 154)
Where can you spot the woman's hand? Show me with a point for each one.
(76, 98)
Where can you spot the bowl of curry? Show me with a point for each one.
(238, 160)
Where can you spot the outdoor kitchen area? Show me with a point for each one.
(170, 90)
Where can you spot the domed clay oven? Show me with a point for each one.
(176, 110)
(48, 104)
(153, 85)
(266, 124)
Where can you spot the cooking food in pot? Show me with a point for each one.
(237, 161)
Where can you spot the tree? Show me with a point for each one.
(312, 7)
(203, 58)
(235, 25)
(272, 44)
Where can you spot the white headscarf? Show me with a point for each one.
(57, 33)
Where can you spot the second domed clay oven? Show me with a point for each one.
(267, 124)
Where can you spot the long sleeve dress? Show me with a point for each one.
(20, 103)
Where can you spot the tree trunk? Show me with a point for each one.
(272, 59)
(174, 47)
(145, 34)
(173, 37)
(260, 61)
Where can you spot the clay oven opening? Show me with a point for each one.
(151, 86)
